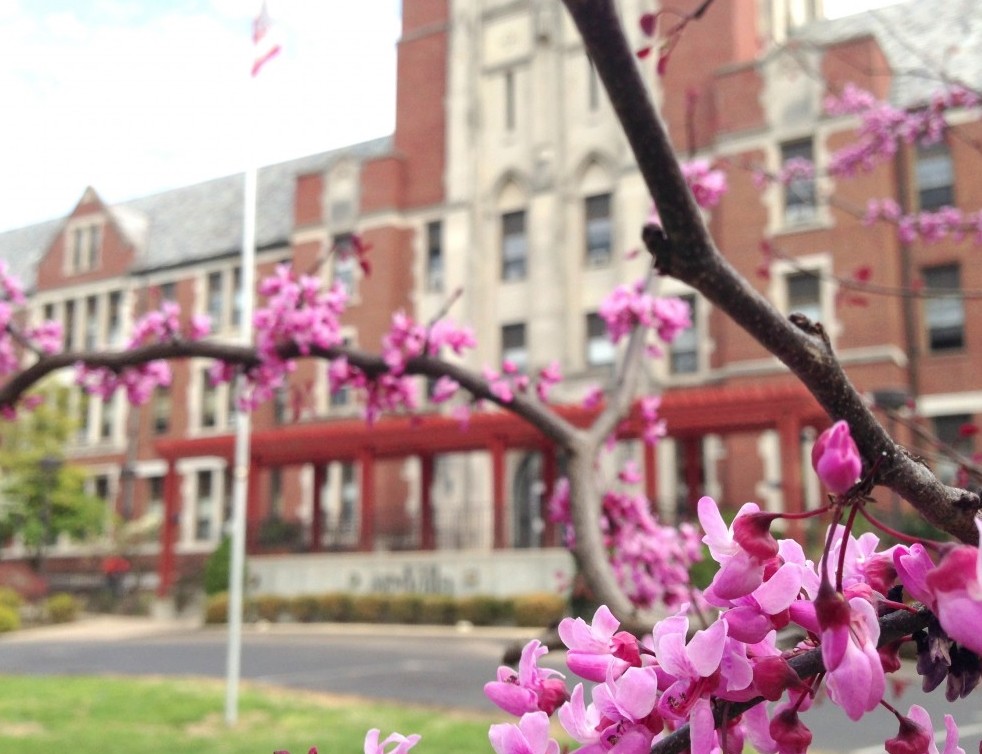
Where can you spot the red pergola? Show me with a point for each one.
(689, 413)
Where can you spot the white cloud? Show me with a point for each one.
(140, 97)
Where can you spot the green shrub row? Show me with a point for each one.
(534, 610)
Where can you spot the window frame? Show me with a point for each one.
(514, 246)
(930, 162)
(602, 224)
(799, 198)
(943, 308)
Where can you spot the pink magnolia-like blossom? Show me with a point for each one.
(956, 584)
(597, 650)
(916, 734)
(849, 634)
(529, 736)
(531, 688)
(836, 458)
(741, 570)
(395, 743)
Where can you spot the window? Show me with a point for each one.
(107, 420)
(209, 402)
(345, 263)
(155, 495)
(513, 347)
(114, 319)
(598, 230)
(950, 431)
(797, 170)
(514, 246)
(205, 505)
(348, 516)
(935, 176)
(86, 241)
(944, 309)
(69, 326)
(683, 352)
(161, 411)
(804, 290)
(223, 303)
(216, 299)
(434, 256)
(168, 292)
(276, 492)
(600, 349)
(91, 323)
(510, 108)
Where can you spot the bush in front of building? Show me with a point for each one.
(439, 609)
(216, 608)
(9, 619)
(483, 610)
(530, 610)
(62, 608)
(335, 607)
(271, 607)
(217, 568)
(10, 598)
(540, 609)
(305, 609)
(405, 608)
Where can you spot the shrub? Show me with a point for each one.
(10, 598)
(305, 609)
(482, 610)
(61, 608)
(335, 607)
(370, 608)
(440, 609)
(405, 608)
(216, 608)
(217, 568)
(9, 619)
(270, 607)
(539, 609)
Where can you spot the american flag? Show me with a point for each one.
(265, 40)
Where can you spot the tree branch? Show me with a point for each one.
(688, 253)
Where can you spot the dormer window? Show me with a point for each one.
(85, 245)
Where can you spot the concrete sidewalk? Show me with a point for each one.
(101, 628)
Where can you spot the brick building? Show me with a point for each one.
(507, 176)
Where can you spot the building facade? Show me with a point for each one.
(507, 177)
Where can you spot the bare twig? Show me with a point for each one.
(688, 253)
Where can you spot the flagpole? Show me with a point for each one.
(265, 48)
(240, 475)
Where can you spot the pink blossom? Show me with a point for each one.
(530, 736)
(598, 651)
(708, 185)
(531, 688)
(444, 389)
(396, 743)
(741, 571)
(849, 634)
(916, 734)
(836, 458)
(956, 583)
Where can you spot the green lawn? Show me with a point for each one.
(85, 715)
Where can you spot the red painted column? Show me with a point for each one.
(366, 540)
(789, 429)
(253, 504)
(549, 472)
(427, 532)
(317, 515)
(166, 567)
(692, 448)
(650, 474)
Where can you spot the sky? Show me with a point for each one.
(134, 97)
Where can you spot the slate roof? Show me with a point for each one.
(197, 222)
(920, 38)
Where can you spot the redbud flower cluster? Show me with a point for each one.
(651, 562)
(631, 305)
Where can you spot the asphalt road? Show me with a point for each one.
(442, 669)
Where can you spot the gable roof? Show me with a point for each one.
(196, 222)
